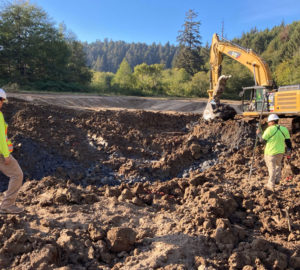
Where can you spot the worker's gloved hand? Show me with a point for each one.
(288, 153)
(259, 129)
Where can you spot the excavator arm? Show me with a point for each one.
(257, 66)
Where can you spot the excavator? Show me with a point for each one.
(259, 100)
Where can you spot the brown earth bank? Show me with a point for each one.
(96, 102)
(119, 189)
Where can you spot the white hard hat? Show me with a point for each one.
(273, 117)
(2, 94)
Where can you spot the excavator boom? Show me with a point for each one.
(248, 58)
(260, 70)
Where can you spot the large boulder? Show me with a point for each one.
(121, 239)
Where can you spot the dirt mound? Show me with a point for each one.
(144, 190)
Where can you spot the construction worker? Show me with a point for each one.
(277, 139)
(8, 166)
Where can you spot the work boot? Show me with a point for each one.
(13, 209)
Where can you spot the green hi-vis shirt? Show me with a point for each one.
(275, 137)
(5, 143)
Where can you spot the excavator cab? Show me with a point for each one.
(255, 99)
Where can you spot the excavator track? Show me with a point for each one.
(291, 123)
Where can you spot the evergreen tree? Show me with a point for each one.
(293, 45)
(108, 55)
(34, 49)
(189, 55)
(77, 71)
(123, 77)
(97, 65)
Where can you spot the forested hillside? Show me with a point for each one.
(280, 47)
(107, 55)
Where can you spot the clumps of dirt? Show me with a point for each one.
(178, 224)
(86, 214)
(85, 146)
(221, 111)
(110, 147)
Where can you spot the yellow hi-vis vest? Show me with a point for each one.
(9, 143)
(6, 146)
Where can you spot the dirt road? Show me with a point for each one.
(95, 102)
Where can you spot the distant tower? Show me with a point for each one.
(222, 30)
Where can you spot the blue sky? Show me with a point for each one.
(160, 20)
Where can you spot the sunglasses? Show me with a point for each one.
(2, 99)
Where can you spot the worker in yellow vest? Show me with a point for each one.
(278, 141)
(8, 166)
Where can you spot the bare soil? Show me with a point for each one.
(96, 102)
(138, 189)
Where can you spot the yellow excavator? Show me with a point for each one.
(261, 99)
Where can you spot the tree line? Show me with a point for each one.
(280, 48)
(189, 74)
(107, 55)
(186, 77)
(39, 55)
(36, 54)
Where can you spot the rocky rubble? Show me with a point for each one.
(130, 190)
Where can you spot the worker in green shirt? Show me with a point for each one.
(8, 166)
(277, 140)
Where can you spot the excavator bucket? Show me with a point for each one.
(208, 113)
(221, 111)
(215, 109)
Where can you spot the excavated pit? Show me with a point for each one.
(110, 147)
(145, 190)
